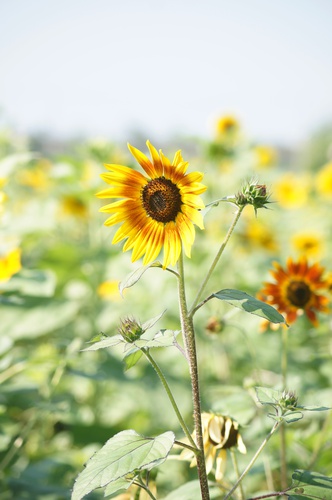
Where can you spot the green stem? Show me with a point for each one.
(188, 333)
(216, 259)
(170, 396)
(253, 460)
(284, 364)
(236, 468)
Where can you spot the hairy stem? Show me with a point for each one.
(188, 333)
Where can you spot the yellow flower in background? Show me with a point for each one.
(35, 177)
(157, 210)
(10, 264)
(226, 125)
(73, 205)
(219, 434)
(324, 180)
(296, 290)
(308, 243)
(266, 156)
(291, 190)
(260, 235)
(109, 290)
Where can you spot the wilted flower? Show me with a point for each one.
(219, 434)
(296, 290)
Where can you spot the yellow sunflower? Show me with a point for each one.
(157, 210)
(296, 290)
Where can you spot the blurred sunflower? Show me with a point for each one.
(109, 290)
(324, 180)
(227, 124)
(265, 156)
(259, 235)
(157, 210)
(308, 243)
(10, 264)
(219, 434)
(292, 191)
(72, 205)
(295, 290)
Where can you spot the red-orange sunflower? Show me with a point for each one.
(296, 290)
(157, 210)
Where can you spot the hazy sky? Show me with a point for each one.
(107, 67)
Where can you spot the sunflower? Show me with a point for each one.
(157, 210)
(296, 290)
(220, 433)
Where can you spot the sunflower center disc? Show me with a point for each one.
(298, 293)
(161, 200)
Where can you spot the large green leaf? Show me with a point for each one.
(310, 485)
(123, 454)
(249, 304)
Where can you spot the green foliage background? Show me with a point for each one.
(58, 404)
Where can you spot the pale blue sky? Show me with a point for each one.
(107, 67)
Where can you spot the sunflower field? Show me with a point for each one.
(93, 349)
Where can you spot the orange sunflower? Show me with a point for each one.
(157, 210)
(296, 290)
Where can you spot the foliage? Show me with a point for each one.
(62, 397)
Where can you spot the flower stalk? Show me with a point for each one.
(216, 260)
(170, 397)
(253, 460)
(188, 333)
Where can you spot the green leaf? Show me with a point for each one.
(314, 408)
(267, 396)
(291, 416)
(32, 283)
(133, 352)
(309, 484)
(120, 484)
(105, 342)
(132, 357)
(135, 276)
(249, 304)
(123, 454)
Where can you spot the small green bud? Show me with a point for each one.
(253, 194)
(130, 330)
(288, 401)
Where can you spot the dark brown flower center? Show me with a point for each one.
(298, 293)
(161, 200)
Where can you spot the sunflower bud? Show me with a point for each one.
(253, 194)
(288, 401)
(214, 325)
(130, 330)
